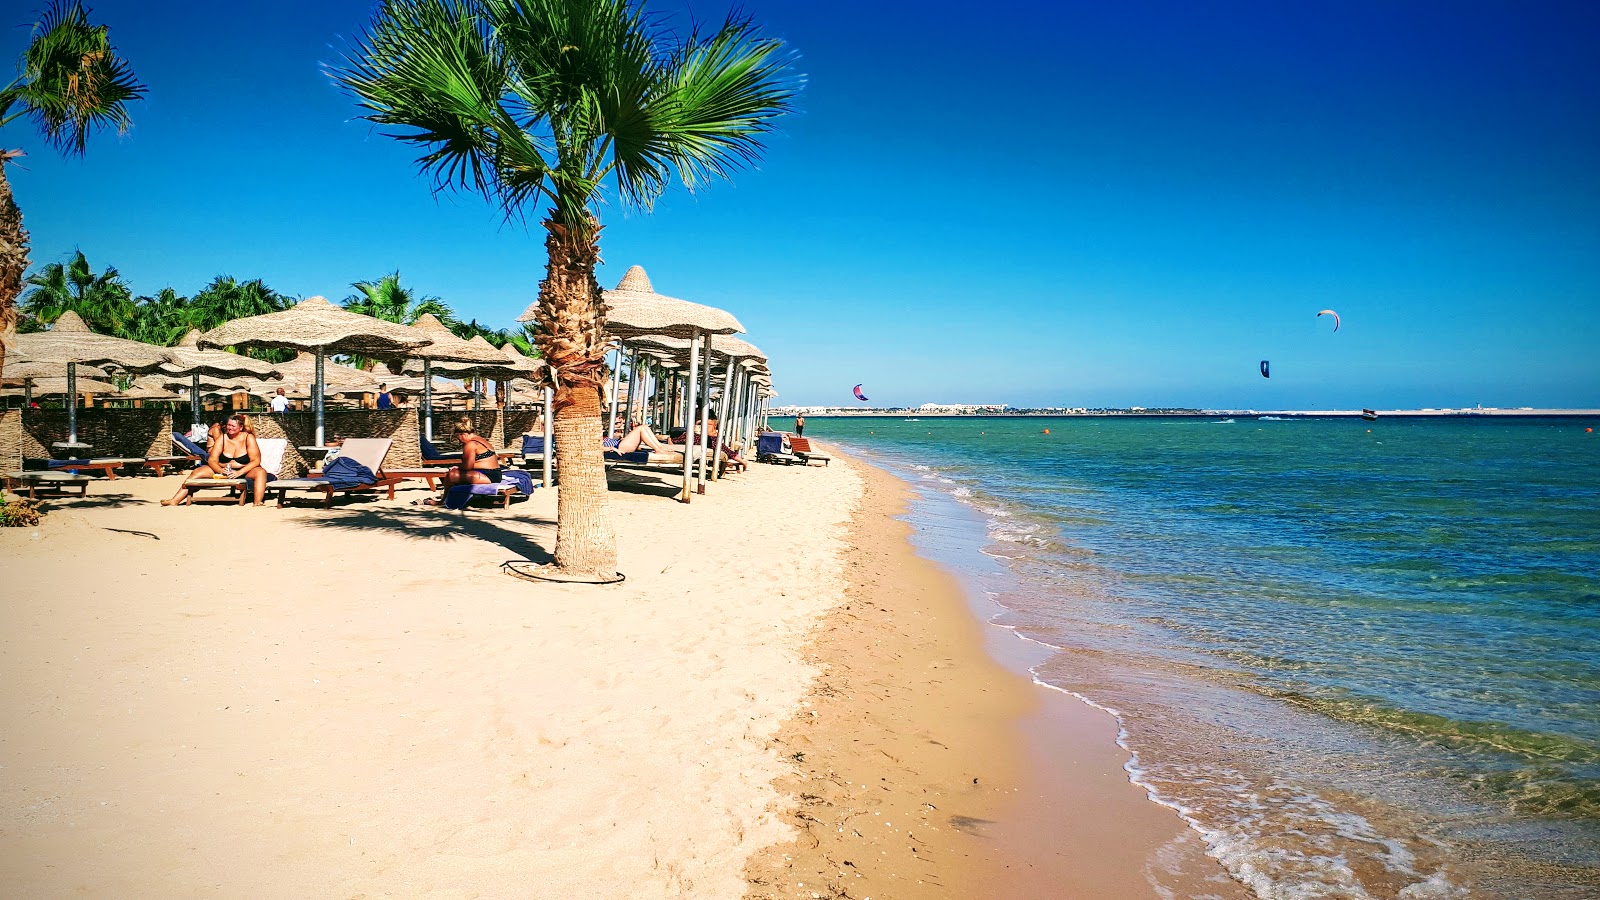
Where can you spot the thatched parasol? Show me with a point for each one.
(446, 347)
(488, 361)
(314, 325)
(634, 308)
(147, 387)
(189, 359)
(69, 342)
(61, 386)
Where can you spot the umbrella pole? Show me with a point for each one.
(725, 421)
(316, 401)
(194, 400)
(688, 414)
(549, 435)
(427, 398)
(616, 388)
(705, 417)
(27, 393)
(72, 403)
(633, 391)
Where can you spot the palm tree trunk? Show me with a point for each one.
(13, 259)
(571, 315)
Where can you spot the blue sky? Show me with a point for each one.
(1076, 204)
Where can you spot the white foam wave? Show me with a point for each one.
(1278, 872)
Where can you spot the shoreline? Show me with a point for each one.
(972, 779)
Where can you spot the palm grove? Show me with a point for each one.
(541, 107)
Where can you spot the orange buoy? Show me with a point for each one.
(1047, 431)
(1588, 431)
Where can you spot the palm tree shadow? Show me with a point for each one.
(433, 525)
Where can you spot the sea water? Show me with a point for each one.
(1361, 659)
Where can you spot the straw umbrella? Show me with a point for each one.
(446, 347)
(635, 309)
(69, 342)
(189, 359)
(22, 373)
(61, 386)
(147, 387)
(721, 348)
(316, 326)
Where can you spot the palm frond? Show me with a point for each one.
(434, 70)
(73, 83)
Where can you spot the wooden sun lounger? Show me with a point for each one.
(370, 452)
(801, 447)
(160, 464)
(430, 474)
(55, 484)
(108, 464)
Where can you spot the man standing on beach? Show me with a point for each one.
(800, 426)
(280, 403)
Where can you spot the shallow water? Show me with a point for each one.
(1360, 658)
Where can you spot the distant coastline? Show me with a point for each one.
(1138, 413)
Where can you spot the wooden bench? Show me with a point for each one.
(55, 484)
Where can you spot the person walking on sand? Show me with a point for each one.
(800, 426)
(280, 403)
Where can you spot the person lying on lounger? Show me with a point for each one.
(234, 453)
(640, 436)
(479, 463)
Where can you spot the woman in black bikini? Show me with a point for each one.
(479, 463)
(234, 454)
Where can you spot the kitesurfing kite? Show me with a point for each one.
(1266, 369)
(857, 391)
(1329, 312)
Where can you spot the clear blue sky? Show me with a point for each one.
(1076, 204)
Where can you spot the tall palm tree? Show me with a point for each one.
(72, 83)
(390, 301)
(534, 102)
(161, 320)
(104, 300)
(226, 299)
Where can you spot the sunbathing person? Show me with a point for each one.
(234, 453)
(642, 436)
(479, 463)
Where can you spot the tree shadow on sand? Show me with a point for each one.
(623, 481)
(434, 525)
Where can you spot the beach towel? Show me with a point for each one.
(345, 472)
(461, 495)
(637, 456)
(429, 451)
(182, 440)
(532, 446)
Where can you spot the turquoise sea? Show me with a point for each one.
(1362, 659)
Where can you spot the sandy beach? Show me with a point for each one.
(782, 700)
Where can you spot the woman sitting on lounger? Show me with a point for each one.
(234, 453)
(479, 463)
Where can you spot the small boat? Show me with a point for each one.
(1369, 414)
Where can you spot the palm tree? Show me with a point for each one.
(104, 301)
(226, 299)
(388, 300)
(529, 102)
(72, 83)
(161, 320)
